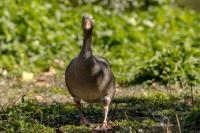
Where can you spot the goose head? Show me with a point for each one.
(87, 22)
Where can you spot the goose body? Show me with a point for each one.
(89, 77)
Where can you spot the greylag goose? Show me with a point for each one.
(89, 78)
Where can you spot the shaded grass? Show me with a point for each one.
(153, 113)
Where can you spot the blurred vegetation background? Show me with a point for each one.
(144, 40)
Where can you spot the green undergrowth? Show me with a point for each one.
(143, 40)
(147, 113)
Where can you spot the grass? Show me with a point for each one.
(153, 113)
(141, 108)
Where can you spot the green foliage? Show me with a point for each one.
(143, 40)
(171, 65)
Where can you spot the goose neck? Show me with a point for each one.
(87, 42)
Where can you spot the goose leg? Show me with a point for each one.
(83, 120)
(105, 125)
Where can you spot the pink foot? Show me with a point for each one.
(104, 126)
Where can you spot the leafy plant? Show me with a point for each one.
(147, 37)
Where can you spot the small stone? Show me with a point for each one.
(140, 130)
(39, 98)
(27, 76)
